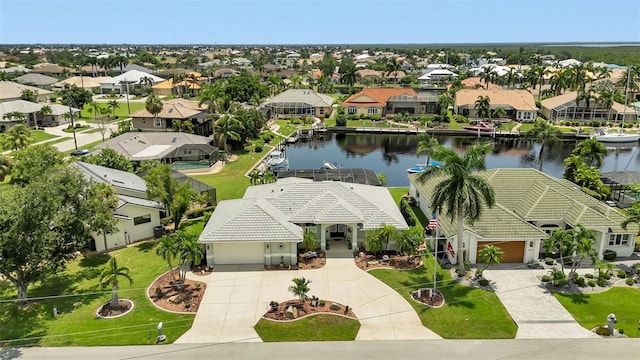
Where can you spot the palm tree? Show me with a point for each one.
(585, 95)
(268, 177)
(373, 241)
(227, 127)
(300, 288)
(44, 112)
(309, 240)
(94, 108)
(559, 82)
(605, 97)
(387, 233)
(583, 246)
(110, 276)
(5, 167)
(168, 249)
(153, 105)
(255, 177)
(17, 137)
(483, 107)
(113, 105)
(490, 254)
(544, 134)
(559, 243)
(488, 76)
(632, 216)
(409, 240)
(445, 101)
(426, 145)
(189, 252)
(393, 67)
(571, 166)
(499, 112)
(462, 192)
(591, 151)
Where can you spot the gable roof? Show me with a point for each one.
(116, 178)
(36, 79)
(569, 99)
(301, 96)
(515, 99)
(170, 110)
(11, 90)
(132, 77)
(474, 81)
(376, 96)
(85, 81)
(528, 195)
(238, 220)
(21, 106)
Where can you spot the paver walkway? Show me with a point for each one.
(536, 311)
(237, 297)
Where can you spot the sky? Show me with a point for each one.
(317, 21)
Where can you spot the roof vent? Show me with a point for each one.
(174, 140)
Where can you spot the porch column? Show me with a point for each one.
(354, 237)
(604, 239)
(323, 238)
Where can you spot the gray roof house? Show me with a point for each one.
(10, 90)
(182, 150)
(132, 77)
(530, 205)
(36, 79)
(137, 215)
(31, 113)
(299, 103)
(265, 226)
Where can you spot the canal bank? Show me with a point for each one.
(445, 132)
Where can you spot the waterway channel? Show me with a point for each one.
(393, 154)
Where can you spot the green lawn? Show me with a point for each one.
(591, 310)
(4, 185)
(231, 182)
(77, 325)
(40, 135)
(120, 112)
(286, 128)
(313, 328)
(397, 193)
(78, 129)
(467, 314)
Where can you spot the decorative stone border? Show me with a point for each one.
(427, 290)
(133, 305)
(159, 307)
(310, 315)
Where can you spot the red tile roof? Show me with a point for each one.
(376, 96)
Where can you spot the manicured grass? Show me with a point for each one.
(231, 182)
(192, 227)
(313, 328)
(526, 127)
(77, 324)
(397, 193)
(286, 128)
(591, 310)
(40, 135)
(4, 185)
(120, 112)
(78, 129)
(467, 314)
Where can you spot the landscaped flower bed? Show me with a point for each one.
(166, 294)
(279, 312)
(367, 261)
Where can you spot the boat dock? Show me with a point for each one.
(444, 132)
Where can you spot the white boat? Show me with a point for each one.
(329, 166)
(608, 136)
(277, 160)
(422, 167)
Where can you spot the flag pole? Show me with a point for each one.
(435, 257)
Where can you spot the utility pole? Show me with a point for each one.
(73, 126)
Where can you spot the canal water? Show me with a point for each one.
(393, 154)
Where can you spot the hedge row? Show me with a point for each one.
(408, 213)
(196, 213)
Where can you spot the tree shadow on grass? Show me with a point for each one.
(146, 246)
(94, 260)
(21, 324)
(582, 299)
(453, 292)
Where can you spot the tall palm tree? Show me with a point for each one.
(44, 112)
(427, 145)
(483, 107)
(189, 252)
(632, 216)
(490, 254)
(300, 288)
(94, 108)
(17, 137)
(544, 134)
(393, 67)
(111, 276)
(445, 101)
(113, 105)
(5, 167)
(153, 105)
(168, 249)
(560, 82)
(499, 112)
(349, 75)
(488, 76)
(605, 98)
(571, 166)
(584, 241)
(460, 191)
(585, 95)
(388, 233)
(227, 127)
(591, 151)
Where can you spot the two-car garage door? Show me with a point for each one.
(238, 253)
(513, 250)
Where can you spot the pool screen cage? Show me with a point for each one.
(193, 152)
(290, 109)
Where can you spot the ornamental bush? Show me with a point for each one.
(621, 274)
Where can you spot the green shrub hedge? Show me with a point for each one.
(196, 213)
(610, 255)
(591, 283)
(408, 213)
(621, 274)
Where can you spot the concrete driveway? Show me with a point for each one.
(238, 296)
(538, 314)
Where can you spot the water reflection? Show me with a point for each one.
(393, 154)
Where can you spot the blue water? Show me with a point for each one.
(394, 154)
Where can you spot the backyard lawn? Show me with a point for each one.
(40, 135)
(467, 314)
(312, 328)
(77, 324)
(397, 193)
(591, 310)
(120, 112)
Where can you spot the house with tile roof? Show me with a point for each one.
(530, 205)
(137, 215)
(172, 110)
(10, 91)
(373, 101)
(267, 225)
(476, 82)
(36, 79)
(298, 103)
(519, 105)
(123, 83)
(566, 107)
(32, 115)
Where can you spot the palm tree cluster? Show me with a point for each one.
(583, 166)
(544, 134)
(257, 177)
(183, 246)
(17, 137)
(572, 245)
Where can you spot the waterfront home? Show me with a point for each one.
(567, 107)
(299, 103)
(373, 101)
(519, 105)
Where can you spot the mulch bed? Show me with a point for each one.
(305, 309)
(302, 264)
(174, 299)
(398, 262)
(434, 301)
(201, 270)
(123, 306)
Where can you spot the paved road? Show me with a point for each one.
(82, 138)
(584, 349)
(537, 313)
(235, 301)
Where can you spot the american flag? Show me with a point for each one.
(433, 223)
(422, 247)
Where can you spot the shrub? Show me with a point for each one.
(259, 146)
(207, 216)
(591, 283)
(545, 278)
(602, 282)
(579, 281)
(341, 120)
(483, 282)
(621, 331)
(629, 281)
(588, 276)
(603, 331)
(548, 261)
(467, 265)
(196, 213)
(621, 274)
(267, 137)
(408, 213)
(610, 255)
(321, 303)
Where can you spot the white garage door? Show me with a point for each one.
(234, 253)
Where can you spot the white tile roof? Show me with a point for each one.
(113, 177)
(132, 77)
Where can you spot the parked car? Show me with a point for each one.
(80, 152)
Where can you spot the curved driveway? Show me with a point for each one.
(237, 297)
